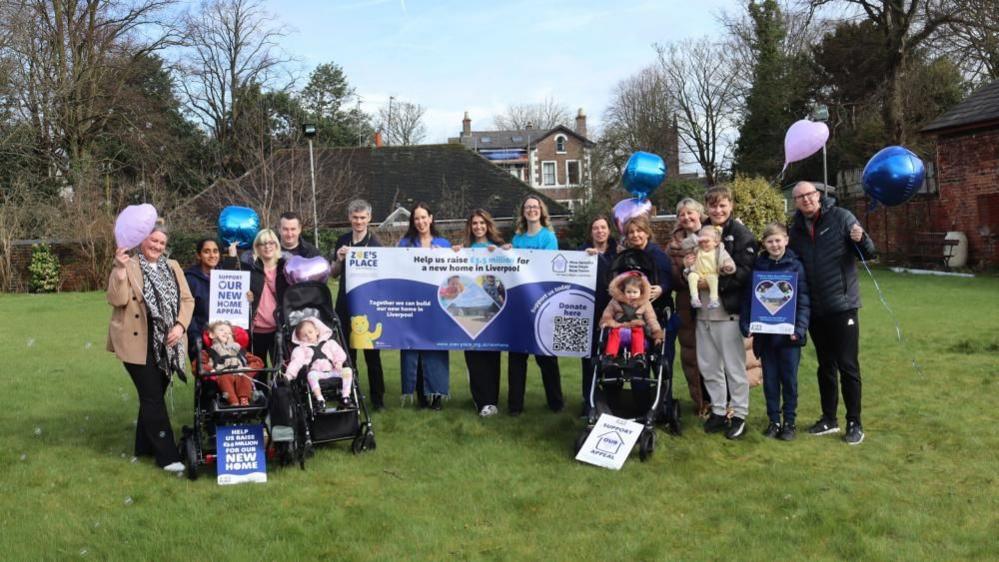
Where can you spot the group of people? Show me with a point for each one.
(706, 263)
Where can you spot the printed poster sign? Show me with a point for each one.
(528, 301)
(610, 442)
(775, 302)
(241, 456)
(227, 299)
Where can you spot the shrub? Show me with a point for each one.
(44, 269)
(671, 192)
(757, 203)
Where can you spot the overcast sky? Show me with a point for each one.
(451, 56)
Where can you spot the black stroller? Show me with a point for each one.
(298, 424)
(197, 442)
(651, 398)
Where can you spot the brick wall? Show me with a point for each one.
(74, 268)
(574, 150)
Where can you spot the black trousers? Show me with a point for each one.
(262, 345)
(483, 377)
(153, 434)
(517, 375)
(376, 378)
(837, 344)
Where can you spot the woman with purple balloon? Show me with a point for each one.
(151, 310)
(267, 287)
(601, 244)
(435, 367)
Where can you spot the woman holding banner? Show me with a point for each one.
(604, 246)
(533, 233)
(206, 258)
(483, 366)
(151, 310)
(436, 372)
(267, 285)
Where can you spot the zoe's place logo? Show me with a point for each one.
(362, 259)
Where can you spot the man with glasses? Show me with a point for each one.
(828, 240)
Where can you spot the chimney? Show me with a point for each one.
(466, 126)
(581, 123)
(378, 139)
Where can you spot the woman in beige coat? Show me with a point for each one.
(151, 309)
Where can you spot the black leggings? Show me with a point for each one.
(262, 345)
(153, 434)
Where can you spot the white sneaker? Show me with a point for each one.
(695, 303)
(174, 467)
(489, 410)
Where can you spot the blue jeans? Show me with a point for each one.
(780, 379)
(436, 371)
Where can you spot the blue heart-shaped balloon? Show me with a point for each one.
(239, 225)
(643, 173)
(893, 175)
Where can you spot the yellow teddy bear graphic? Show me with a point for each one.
(360, 337)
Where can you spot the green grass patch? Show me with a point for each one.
(450, 485)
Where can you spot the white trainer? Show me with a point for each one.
(489, 410)
(174, 467)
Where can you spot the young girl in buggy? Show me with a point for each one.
(322, 355)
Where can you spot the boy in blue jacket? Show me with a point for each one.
(779, 353)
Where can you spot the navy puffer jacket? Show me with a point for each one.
(830, 258)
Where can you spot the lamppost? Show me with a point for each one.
(821, 113)
(309, 130)
(388, 132)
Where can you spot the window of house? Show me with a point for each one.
(547, 173)
(560, 144)
(517, 139)
(572, 172)
(485, 140)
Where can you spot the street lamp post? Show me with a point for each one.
(821, 113)
(309, 130)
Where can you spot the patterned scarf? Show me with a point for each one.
(159, 289)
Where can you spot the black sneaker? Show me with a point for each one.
(437, 403)
(788, 432)
(715, 424)
(824, 427)
(854, 433)
(773, 430)
(737, 429)
(321, 405)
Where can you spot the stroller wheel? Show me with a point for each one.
(646, 444)
(190, 450)
(673, 423)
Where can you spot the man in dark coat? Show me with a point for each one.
(292, 243)
(828, 240)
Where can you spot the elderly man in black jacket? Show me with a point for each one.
(828, 240)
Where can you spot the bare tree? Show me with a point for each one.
(233, 48)
(641, 117)
(543, 115)
(68, 63)
(402, 123)
(973, 46)
(705, 98)
(905, 25)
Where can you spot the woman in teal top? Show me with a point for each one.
(436, 375)
(533, 233)
(484, 366)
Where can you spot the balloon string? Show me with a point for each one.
(891, 313)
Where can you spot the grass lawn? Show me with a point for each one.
(923, 485)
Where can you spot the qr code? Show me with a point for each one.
(571, 335)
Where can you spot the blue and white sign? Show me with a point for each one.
(227, 297)
(528, 301)
(610, 442)
(241, 455)
(775, 302)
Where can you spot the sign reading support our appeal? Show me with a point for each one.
(241, 456)
(227, 299)
(610, 442)
(775, 302)
(528, 301)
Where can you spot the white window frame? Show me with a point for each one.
(554, 165)
(579, 174)
(565, 141)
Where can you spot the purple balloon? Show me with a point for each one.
(134, 224)
(299, 269)
(627, 209)
(803, 139)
